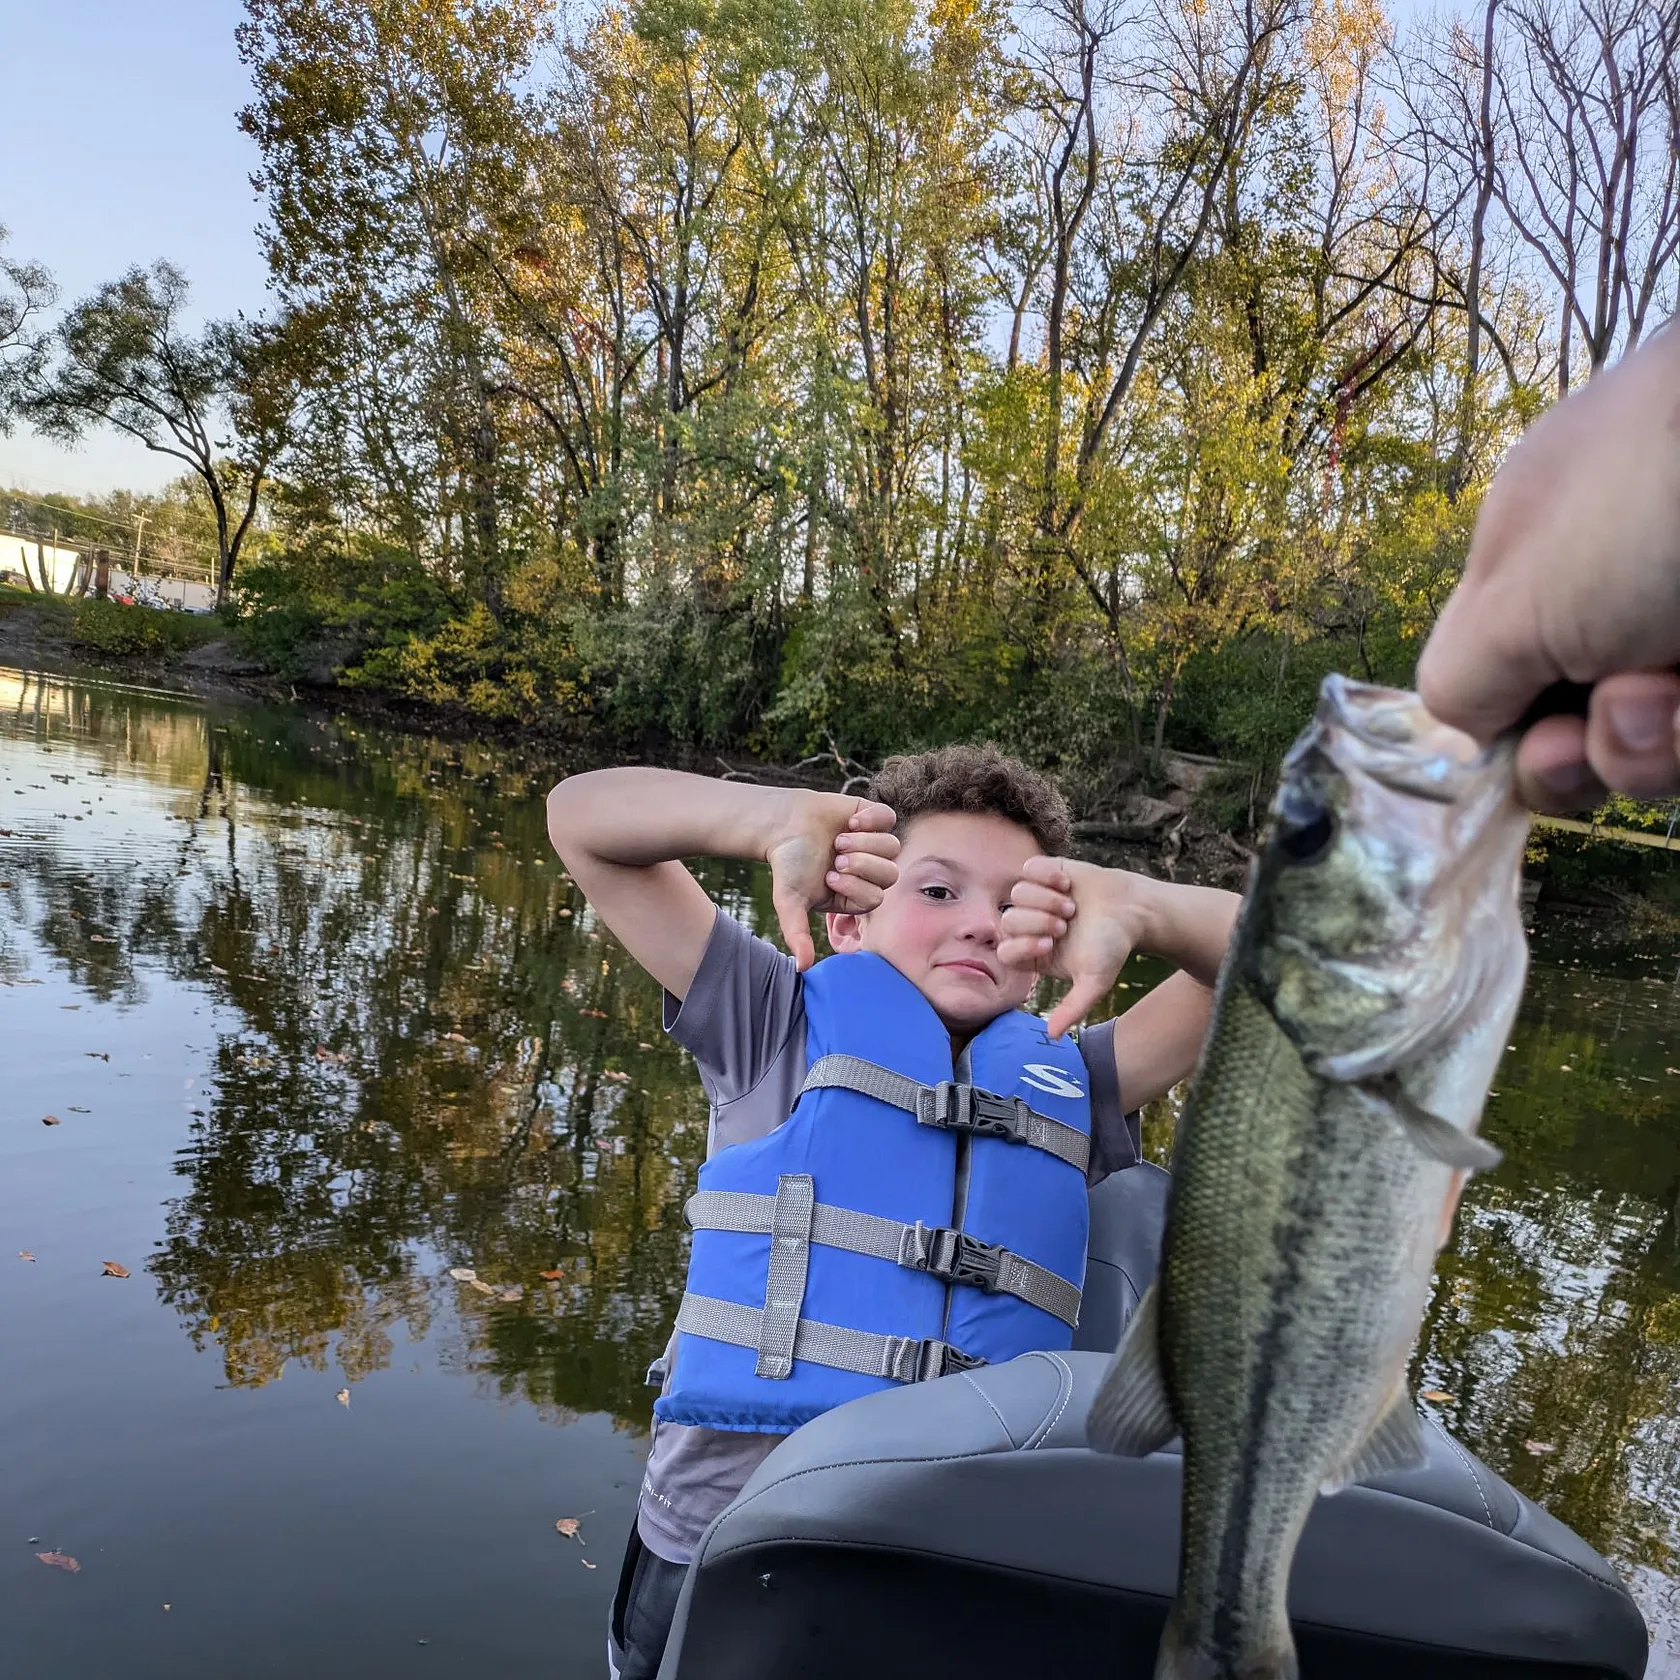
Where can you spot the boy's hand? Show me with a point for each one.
(1076, 922)
(830, 851)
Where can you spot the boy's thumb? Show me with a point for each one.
(794, 920)
(1080, 999)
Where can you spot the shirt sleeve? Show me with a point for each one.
(1116, 1137)
(744, 1004)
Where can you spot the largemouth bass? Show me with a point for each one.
(1363, 1006)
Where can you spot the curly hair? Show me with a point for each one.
(980, 779)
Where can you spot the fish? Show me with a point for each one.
(1374, 971)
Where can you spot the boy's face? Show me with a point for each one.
(938, 924)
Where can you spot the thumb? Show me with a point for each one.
(1086, 992)
(794, 919)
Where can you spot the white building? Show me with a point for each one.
(52, 568)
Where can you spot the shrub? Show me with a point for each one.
(324, 606)
(120, 631)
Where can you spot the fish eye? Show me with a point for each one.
(1304, 835)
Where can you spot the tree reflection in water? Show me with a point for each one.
(443, 1061)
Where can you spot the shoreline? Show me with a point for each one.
(1579, 875)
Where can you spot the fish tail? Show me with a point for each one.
(1184, 1657)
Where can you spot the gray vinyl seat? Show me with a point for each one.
(963, 1527)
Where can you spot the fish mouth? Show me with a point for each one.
(1428, 821)
(1386, 734)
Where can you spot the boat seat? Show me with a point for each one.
(963, 1527)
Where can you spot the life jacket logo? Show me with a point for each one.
(1051, 1080)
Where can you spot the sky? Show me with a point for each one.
(119, 145)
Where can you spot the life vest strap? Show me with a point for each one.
(952, 1256)
(903, 1359)
(951, 1104)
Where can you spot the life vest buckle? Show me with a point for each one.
(953, 1256)
(966, 1108)
(935, 1358)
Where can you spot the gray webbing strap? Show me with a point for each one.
(902, 1359)
(962, 1107)
(945, 1253)
(789, 1224)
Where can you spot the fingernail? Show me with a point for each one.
(1642, 725)
(1565, 780)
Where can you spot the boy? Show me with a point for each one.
(944, 902)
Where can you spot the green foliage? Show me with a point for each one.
(855, 371)
(118, 631)
(321, 608)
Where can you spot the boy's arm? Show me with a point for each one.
(1080, 923)
(620, 834)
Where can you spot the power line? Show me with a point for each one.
(74, 512)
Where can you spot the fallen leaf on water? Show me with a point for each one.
(641, 1046)
(220, 971)
(51, 1120)
(60, 1560)
(481, 1286)
(1564, 1067)
(166, 1607)
(323, 1054)
(98, 1055)
(594, 1014)
(550, 1275)
(463, 1274)
(512, 1293)
(75, 1110)
(1437, 1394)
(112, 1269)
(456, 1038)
(100, 939)
(567, 1527)
(343, 1397)
(586, 1563)
(1540, 1446)
(24, 1254)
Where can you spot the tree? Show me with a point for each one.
(396, 141)
(1589, 94)
(26, 290)
(220, 401)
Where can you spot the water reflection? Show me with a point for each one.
(430, 1057)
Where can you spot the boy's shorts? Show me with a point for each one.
(642, 1609)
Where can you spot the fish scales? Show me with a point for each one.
(1362, 1008)
(1329, 1188)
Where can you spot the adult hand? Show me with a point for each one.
(829, 851)
(1574, 572)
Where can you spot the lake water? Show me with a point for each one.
(383, 1129)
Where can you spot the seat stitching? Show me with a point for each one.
(1067, 1394)
(1464, 1459)
(1008, 1433)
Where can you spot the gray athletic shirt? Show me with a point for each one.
(743, 1021)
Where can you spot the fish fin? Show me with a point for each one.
(1131, 1416)
(1439, 1139)
(1396, 1443)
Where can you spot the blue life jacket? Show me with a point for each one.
(909, 1219)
